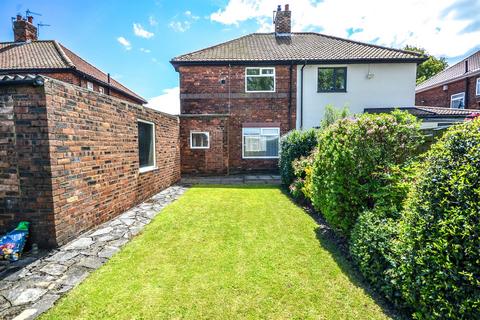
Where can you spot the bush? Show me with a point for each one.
(441, 238)
(352, 155)
(374, 238)
(301, 187)
(333, 114)
(293, 145)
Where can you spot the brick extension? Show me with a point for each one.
(438, 97)
(70, 158)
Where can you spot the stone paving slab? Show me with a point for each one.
(233, 179)
(35, 288)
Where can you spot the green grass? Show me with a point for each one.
(224, 253)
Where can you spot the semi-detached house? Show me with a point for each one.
(237, 98)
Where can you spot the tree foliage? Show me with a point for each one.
(430, 67)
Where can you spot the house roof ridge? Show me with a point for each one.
(59, 48)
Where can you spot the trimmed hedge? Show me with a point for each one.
(352, 156)
(293, 145)
(441, 239)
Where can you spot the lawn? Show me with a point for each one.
(223, 253)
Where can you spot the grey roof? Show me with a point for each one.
(34, 56)
(453, 73)
(21, 78)
(429, 112)
(299, 47)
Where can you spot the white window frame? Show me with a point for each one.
(154, 166)
(261, 130)
(201, 132)
(457, 96)
(90, 85)
(260, 75)
(478, 87)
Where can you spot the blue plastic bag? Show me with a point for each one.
(11, 244)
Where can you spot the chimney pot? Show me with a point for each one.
(283, 22)
(279, 8)
(24, 30)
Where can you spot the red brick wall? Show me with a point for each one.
(78, 159)
(25, 184)
(437, 97)
(202, 92)
(94, 157)
(212, 160)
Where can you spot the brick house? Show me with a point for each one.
(455, 87)
(237, 98)
(27, 55)
(73, 156)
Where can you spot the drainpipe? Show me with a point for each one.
(467, 91)
(290, 99)
(301, 95)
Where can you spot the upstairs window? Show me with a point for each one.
(332, 79)
(261, 143)
(146, 145)
(101, 90)
(199, 140)
(478, 87)
(260, 79)
(89, 85)
(457, 101)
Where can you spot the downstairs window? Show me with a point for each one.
(457, 101)
(146, 145)
(260, 143)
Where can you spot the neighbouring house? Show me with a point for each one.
(237, 98)
(27, 55)
(433, 117)
(72, 157)
(456, 87)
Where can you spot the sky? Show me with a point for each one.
(135, 40)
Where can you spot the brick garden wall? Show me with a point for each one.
(25, 184)
(78, 159)
(437, 97)
(202, 92)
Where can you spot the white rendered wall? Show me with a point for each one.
(392, 85)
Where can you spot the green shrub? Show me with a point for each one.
(302, 168)
(374, 238)
(333, 114)
(441, 238)
(351, 156)
(293, 145)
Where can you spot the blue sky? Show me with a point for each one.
(134, 40)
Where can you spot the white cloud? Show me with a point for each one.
(440, 26)
(125, 43)
(141, 32)
(145, 50)
(184, 23)
(168, 102)
(152, 21)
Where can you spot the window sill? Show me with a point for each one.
(260, 91)
(265, 158)
(147, 169)
(337, 91)
(199, 148)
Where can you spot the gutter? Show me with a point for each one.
(301, 95)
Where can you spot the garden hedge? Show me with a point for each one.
(293, 145)
(352, 155)
(441, 234)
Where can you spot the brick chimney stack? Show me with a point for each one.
(283, 21)
(24, 30)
